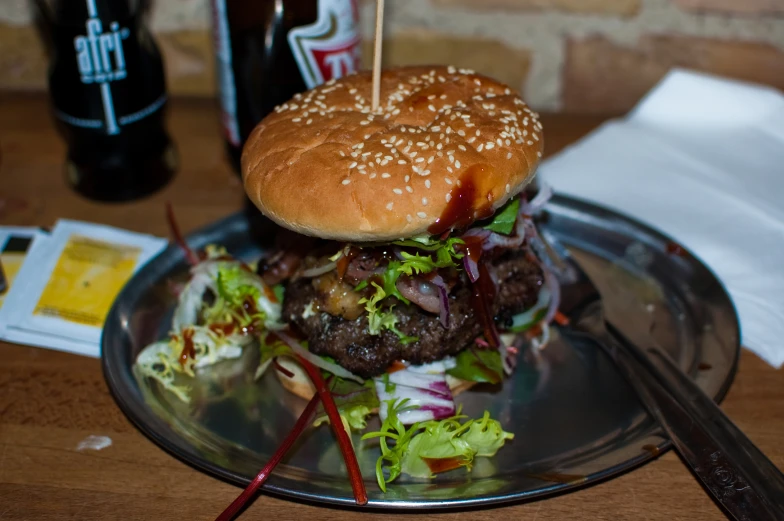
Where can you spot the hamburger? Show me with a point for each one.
(405, 265)
(404, 229)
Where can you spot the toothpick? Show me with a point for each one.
(377, 54)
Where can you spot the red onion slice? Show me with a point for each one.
(443, 312)
(471, 267)
(427, 392)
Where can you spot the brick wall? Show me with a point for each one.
(570, 55)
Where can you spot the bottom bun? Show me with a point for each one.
(301, 385)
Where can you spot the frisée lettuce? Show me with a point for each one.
(434, 446)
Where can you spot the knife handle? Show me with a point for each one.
(740, 477)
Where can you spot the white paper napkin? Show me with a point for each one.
(700, 158)
(96, 261)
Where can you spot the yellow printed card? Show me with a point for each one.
(88, 275)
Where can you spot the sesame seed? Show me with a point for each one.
(431, 108)
(397, 191)
(538, 154)
(409, 189)
(408, 218)
(309, 121)
(509, 155)
(296, 120)
(480, 147)
(421, 215)
(448, 197)
(401, 162)
(462, 147)
(529, 142)
(373, 175)
(385, 175)
(448, 181)
(407, 178)
(389, 206)
(353, 165)
(490, 145)
(508, 188)
(424, 201)
(346, 181)
(457, 164)
(449, 169)
(342, 154)
(427, 183)
(420, 159)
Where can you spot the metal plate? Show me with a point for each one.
(575, 420)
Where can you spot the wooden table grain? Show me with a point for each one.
(50, 401)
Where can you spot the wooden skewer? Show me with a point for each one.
(377, 54)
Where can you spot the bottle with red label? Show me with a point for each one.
(268, 50)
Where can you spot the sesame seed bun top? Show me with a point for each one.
(324, 164)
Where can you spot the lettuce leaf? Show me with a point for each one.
(355, 402)
(485, 436)
(433, 446)
(504, 220)
(379, 319)
(478, 365)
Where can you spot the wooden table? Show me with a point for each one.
(50, 401)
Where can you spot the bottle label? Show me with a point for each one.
(226, 90)
(101, 61)
(328, 48)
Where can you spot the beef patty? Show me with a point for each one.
(518, 280)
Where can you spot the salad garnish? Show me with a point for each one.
(426, 448)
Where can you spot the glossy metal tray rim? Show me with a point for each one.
(162, 434)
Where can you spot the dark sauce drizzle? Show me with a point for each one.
(467, 205)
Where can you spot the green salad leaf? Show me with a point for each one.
(525, 321)
(485, 436)
(478, 365)
(433, 446)
(235, 285)
(389, 281)
(379, 319)
(355, 402)
(504, 220)
(279, 291)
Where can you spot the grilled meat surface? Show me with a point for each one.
(344, 336)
